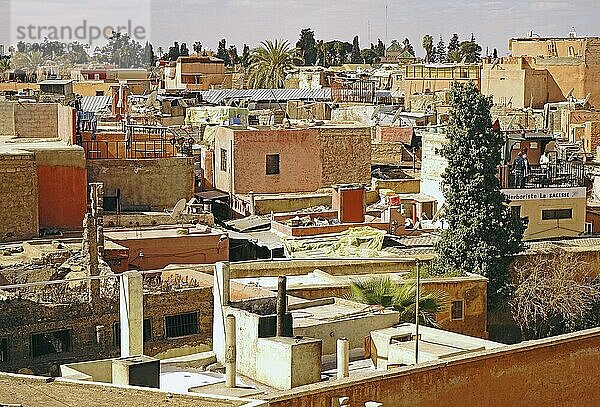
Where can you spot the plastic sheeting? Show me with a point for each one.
(362, 241)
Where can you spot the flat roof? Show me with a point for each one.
(157, 233)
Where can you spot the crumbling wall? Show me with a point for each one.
(91, 325)
(36, 120)
(19, 197)
(7, 119)
(345, 155)
(155, 184)
(389, 153)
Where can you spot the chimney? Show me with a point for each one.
(221, 299)
(230, 353)
(281, 305)
(131, 313)
(343, 358)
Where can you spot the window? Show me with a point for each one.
(181, 325)
(3, 349)
(51, 342)
(456, 310)
(223, 159)
(515, 211)
(272, 164)
(117, 331)
(99, 93)
(97, 76)
(549, 214)
(533, 145)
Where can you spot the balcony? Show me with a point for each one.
(561, 174)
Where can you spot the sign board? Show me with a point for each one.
(536, 194)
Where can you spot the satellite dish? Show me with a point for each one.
(376, 112)
(396, 115)
(178, 211)
(151, 98)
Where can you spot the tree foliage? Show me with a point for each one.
(222, 52)
(380, 48)
(470, 51)
(440, 51)
(406, 46)
(554, 294)
(197, 47)
(269, 64)
(355, 57)
(429, 48)
(482, 235)
(307, 46)
(381, 291)
(453, 54)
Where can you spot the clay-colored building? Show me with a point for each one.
(430, 78)
(291, 160)
(544, 70)
(197, 73)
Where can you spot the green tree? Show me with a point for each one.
(4, 65)
(428, 47)
(355, 56)
(174, 51)
(29, 62)
(149, 58)
(406, 46)
(482, 235)
(233, 55)
(197, 47)
(470, 51)
(245, 59)
(369, 56)
(321, 48)
(453, 54)
(440, 51)
(269, 64)
(222, 52)
(307, 46)
(383, 292)
(380, 48)
(183, 50)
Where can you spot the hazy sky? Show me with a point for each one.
(251, 21)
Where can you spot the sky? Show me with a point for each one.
(252, 21)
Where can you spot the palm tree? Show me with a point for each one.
(270, 61)
(4, 65)
(29, 62)
(381, 291)
(428, 47)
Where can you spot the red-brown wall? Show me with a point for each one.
(62, 196)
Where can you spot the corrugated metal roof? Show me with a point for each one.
(259, 95)
(96, 104)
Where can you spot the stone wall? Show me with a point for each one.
(558, 371)
(389, 153)
(19, 197)
(92, 327)
(345, 155)
(155, 184)
(7, 119)
(36, 120)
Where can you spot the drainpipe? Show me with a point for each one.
(230, 353)
(343, 358)
(281, 305)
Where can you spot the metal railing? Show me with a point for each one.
(558, 174)
(118, 149)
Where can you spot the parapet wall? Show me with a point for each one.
(558, 371)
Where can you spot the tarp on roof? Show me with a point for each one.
(96, 104)
(218, 96)
(362, 241)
